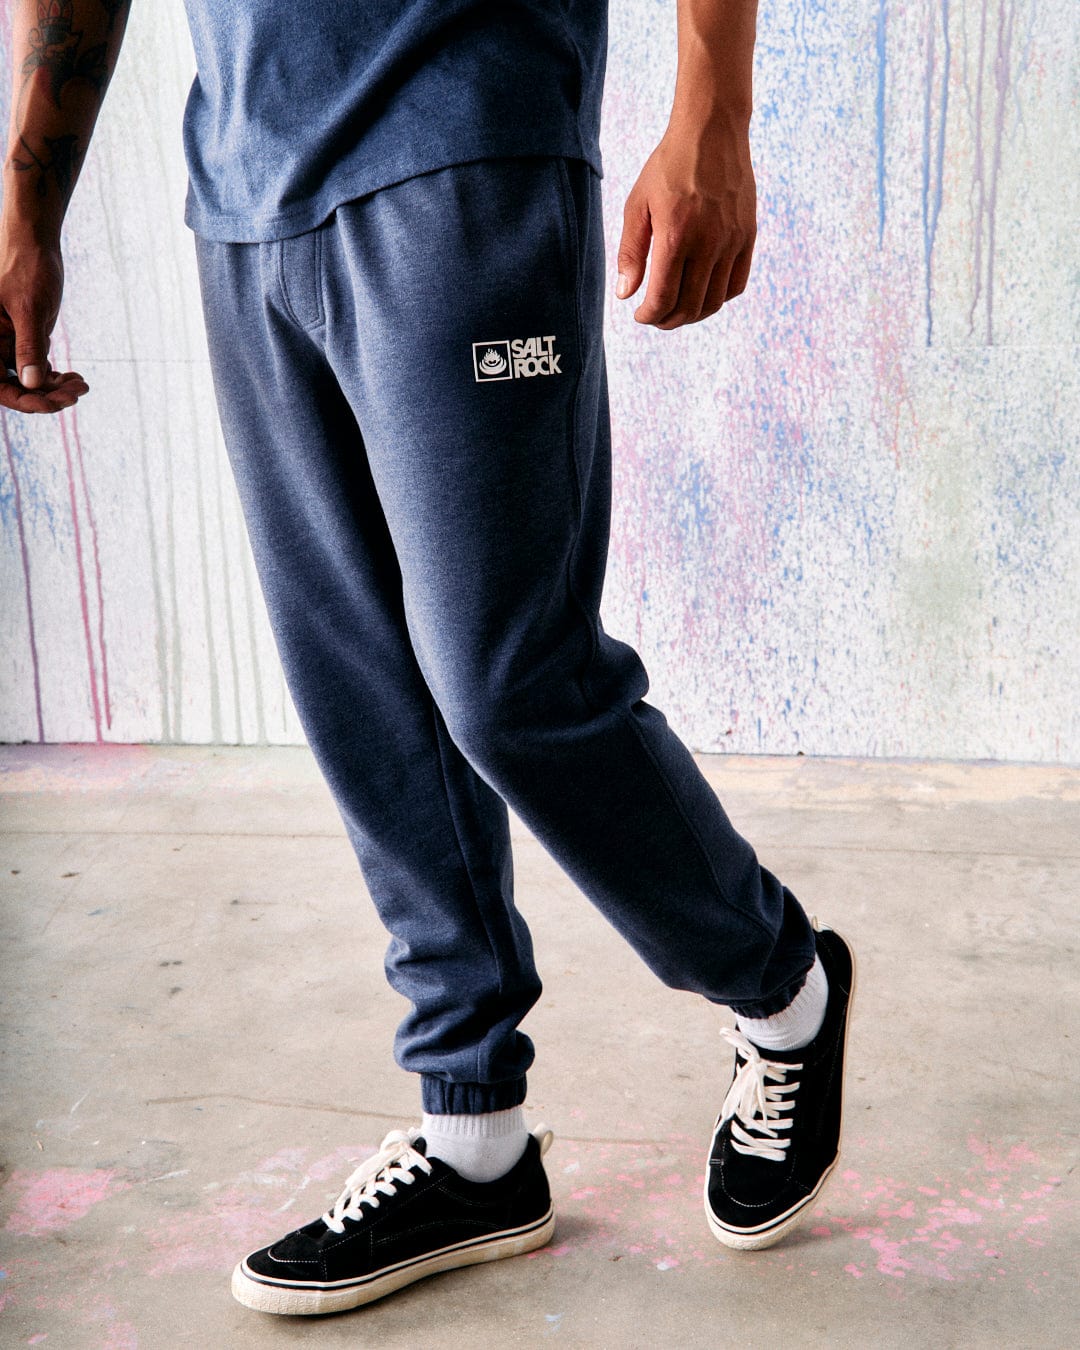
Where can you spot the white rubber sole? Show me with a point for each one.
(268, 1296)
(744, 1240)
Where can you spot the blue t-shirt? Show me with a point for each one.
(299, 107)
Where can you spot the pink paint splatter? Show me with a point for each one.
(284, 1160)
(121, 1336)
(71, 415)
(216, 1238)
(927, 1228)
(996, 1159)
(635, 1201)
(248, 1211)
(84, 601)
(49, 1201)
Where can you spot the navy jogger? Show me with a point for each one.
(414, 403)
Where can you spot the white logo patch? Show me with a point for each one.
(515, 359)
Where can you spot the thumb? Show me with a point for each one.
(31, 349)
(633, 246)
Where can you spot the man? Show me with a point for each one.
(396, 208)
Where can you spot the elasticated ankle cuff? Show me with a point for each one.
(776, 1003)
(440, 1098)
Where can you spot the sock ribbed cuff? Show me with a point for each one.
(796, 1025)
(487, 1125)
(479, 1148)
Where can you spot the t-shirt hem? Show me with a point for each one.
(225, 227)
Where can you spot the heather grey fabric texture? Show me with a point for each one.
(414, 403)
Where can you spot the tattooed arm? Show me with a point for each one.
(64, 52)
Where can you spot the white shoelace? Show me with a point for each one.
(757, 1100)
(394, 1165)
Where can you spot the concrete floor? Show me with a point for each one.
(198, 1041)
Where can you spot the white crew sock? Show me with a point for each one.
(479, 1148)
(797, 1024)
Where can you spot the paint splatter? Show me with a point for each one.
(787, 476)
(49, 1201)
(935, 108)
(24, 558)
(959, 1228)
(881, 49)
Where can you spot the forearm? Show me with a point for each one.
(695, 202)
(64, 53)
(713, 87)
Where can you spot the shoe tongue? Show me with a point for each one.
(419, 1145)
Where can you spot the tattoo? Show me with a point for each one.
(64, 154)
(56, 46)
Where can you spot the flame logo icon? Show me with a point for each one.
(492, 362)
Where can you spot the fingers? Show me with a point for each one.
(687, 290)
(31, 286)
(691, 302)
(633, 246)
(685, 286)
(31, 347)
(692, 218)
(56, 393)
(665, 280)
(740, 274)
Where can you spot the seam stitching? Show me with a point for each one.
(279, 251)
(320, 312)
(572, 225)
(316, 280)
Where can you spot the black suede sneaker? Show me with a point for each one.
(777, 1137)
(400, 1217)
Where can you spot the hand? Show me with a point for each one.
(697, 202)
(31, 284)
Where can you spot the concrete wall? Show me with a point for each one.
(847, 508)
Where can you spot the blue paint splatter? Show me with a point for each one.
(693, 492)
(879, 112)
(34, 491)
(933, 174)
